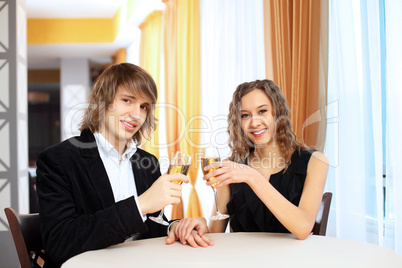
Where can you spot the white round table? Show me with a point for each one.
(242, 250)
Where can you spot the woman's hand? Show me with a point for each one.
(227, 172)
(191, 231)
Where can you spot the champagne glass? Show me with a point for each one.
(180, 164)
(209, 156)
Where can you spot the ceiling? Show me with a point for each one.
(72, 8)
(48, 56)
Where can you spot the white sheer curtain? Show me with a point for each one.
(232, 52)
(356, 120)
(346, 178)
(393, 22)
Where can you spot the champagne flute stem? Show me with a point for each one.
(159, 219)
(216, 200)
(161, 213)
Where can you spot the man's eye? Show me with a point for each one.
(144, 107)
(126, 100)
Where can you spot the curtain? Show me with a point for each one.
(371, 62)
(363, 121)
(119, 56)
(189, 86)
(172, 113)
(150, 60)
(182, 66)
(393, 184)
(297, 59)
(232, 52)
(345, 147)
(170, 56)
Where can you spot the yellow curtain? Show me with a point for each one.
(150, 60)
(296, 33)
(189, 88)
(171, 90)
(170, 56)
(183, 85)
(119, 56)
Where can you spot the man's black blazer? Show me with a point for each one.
(76, 203)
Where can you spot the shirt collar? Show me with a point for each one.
(130, 149)
(107, 148)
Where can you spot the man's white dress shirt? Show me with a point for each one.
(120, 173)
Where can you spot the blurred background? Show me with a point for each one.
(338, 63)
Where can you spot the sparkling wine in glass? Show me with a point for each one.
(180, 164)
(210, 156)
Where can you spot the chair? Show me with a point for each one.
(320, 226)
(26, 233)
(33, 197)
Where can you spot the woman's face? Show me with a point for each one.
(257, 120)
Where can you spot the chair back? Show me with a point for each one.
(320, 226)
(25, 229)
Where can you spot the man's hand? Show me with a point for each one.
(163, 192)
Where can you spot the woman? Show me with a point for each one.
(271, 182)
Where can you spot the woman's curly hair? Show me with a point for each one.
(134, 79)
(239, 144)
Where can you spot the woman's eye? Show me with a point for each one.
(144, 107)
(262, 111)
(244, 116)
(126, 100)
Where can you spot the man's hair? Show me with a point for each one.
(132, 78)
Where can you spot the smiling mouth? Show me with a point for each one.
(128, 124)
(259, 132)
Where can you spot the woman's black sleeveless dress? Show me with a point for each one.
(249, 214)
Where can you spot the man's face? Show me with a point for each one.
(124, 117)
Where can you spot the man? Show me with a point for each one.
(96, 189)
